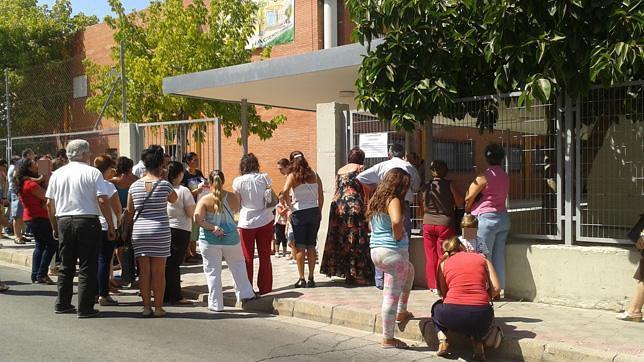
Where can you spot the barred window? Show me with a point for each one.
(457, 155)
(515, 158)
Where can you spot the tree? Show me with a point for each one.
(436, 51)
(35, 45)
(169, 39)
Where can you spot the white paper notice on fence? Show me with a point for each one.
(374, 145)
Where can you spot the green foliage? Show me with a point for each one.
(169, 39)
(31, 34)
(436, 51)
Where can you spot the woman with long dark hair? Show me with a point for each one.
(255, 220)
(180, 213)
(219, 238)
(303, 191)
(123, 179)
(390, 252)
(32, 197)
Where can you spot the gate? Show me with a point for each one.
(201, 136)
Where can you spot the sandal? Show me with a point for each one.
(3, 288)
(443, 349)
(479, 351)
(402, 323)
(630, 317)
(395, 343)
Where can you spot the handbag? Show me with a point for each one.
(636, 231)
(270, 198)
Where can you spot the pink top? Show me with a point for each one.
(494, 194)
(466, 278)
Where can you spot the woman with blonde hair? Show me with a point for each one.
(390, 252)
(218, 237)
(467, 282)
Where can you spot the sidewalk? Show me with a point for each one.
(533, 331)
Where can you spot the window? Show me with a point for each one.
(80, 86)
(457, 155)
(515, 158)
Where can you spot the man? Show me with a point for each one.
(375, 174)
(75, 198)
(139, 169)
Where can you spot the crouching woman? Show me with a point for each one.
(467, 282)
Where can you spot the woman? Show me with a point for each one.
(151, 237)
(303, 190)
(180, 214)
(634, 311)
(255, 220)
(123, 180)
(282, 167)
(390, 252)
(440, 199)
(218, 237)
(193, 179)
(105, 164)
(32, 197)
(467, 282)
(347, 252)
(494, 222)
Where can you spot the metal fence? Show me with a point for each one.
(202, 136)
(609, 177)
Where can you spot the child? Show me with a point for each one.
(470, 241)
(281, 219)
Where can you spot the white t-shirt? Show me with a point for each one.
(74, 188)
(110, 189)
(139, 169)
(376, 173)
(251, 188)
(176, 210)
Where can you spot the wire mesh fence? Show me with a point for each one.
(180, 137)
(610, 163)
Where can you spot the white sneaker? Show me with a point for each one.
(626, 316)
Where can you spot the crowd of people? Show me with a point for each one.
(151, 217)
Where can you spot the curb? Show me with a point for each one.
(419, 330)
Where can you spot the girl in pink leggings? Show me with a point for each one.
(389, 252)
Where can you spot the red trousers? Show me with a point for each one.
(433, 236)
(262, 236)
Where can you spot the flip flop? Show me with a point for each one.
(397, 343)
(402, 324)
(3, 287)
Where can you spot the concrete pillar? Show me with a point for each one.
(428, 151)
(244, 123)
(331, 155)
(130, 141)
(330, 23)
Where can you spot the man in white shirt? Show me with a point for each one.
(76, 196)
(139, 169)
(372, 176)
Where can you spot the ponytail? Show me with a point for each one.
(217, 179)
(451, 246)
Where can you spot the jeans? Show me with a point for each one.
(45, 247)
(179, 244)
(79, 239)
(105, 254)
(470, 320)
(493, 229)
(379, 275)
(212, 256)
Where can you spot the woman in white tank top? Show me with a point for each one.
(304, 188)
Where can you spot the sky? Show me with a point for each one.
(100, 8)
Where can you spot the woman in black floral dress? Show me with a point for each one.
(346, 252)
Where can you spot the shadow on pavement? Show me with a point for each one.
(44, 293)
(185, 315)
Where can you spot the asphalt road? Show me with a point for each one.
(29, 330)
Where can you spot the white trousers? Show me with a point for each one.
(212, 256)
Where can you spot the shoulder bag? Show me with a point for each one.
(270, 198)
(126, 232)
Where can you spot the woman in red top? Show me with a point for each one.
(32, 196)
(467, 282)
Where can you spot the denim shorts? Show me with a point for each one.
(16, 207)
(306, 224)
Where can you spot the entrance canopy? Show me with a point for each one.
(295, 82)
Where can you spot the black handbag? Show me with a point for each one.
(636, 231)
